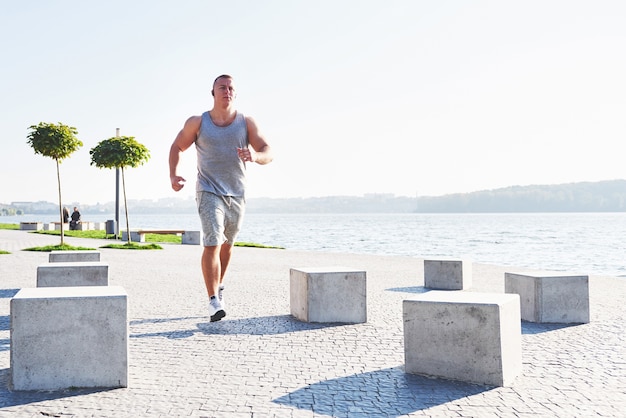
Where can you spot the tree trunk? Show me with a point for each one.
(60, 203)
(125, 207)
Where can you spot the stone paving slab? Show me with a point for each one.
(261, 362)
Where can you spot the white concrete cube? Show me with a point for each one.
(135, 236)
(551, 297)
(64, 337)
(467, 336)
(80, 273)
(328, 294)
(73, 256)
(447, 274)
(191, 237)
(57, 226)
(31, 226)
(84, 226)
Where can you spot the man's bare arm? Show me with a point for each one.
(185, 138)
(261, 152)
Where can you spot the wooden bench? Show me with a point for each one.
(139, 235)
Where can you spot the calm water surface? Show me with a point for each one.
(587, 243)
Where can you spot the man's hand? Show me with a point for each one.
(177, 182)
(246, 154)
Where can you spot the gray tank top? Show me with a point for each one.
(220, 170)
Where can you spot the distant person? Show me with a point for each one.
(66, 215)
(75, 219)
(222, 137)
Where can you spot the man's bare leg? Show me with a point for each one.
(211, 268)
(225, 252)
(212, 272)
(215, 260)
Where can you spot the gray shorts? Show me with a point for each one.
(221, 217)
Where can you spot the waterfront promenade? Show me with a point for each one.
(261, 362)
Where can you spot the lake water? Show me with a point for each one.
(586, 243)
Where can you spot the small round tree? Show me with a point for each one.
(120, 152)
(57, 141)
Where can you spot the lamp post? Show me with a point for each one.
(117, 195)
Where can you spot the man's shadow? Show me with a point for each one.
(264, 325)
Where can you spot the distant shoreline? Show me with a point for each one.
(585, 197)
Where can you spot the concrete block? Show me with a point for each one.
(467, 336)
(31, 226)
(56, 226)
(191, 237)
(73, 256)
(329, 294)
(81, 273)
(135, 236)
(84, 226)
(551, 297)
(447, 274)
(64, 337)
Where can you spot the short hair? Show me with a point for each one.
(215, 81)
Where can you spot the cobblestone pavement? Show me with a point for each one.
(261, 362)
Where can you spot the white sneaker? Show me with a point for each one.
(220, 296)
(216, 310)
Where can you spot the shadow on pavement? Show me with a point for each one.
(265, 325)
(5, 325)
(10, 398)
(177, 333)
(538, 328)
(388, 392)
(8, 293)
(412, 289)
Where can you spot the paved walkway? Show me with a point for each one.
(261, 362)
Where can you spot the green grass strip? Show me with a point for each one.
(134, 246)
(255, 245)
(150, 238)
(59, 247)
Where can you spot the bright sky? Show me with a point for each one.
(397, 96)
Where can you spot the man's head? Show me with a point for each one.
(223, 82)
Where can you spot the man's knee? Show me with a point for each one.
(212, 250)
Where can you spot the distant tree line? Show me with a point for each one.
(604, 196)
(10, 211)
